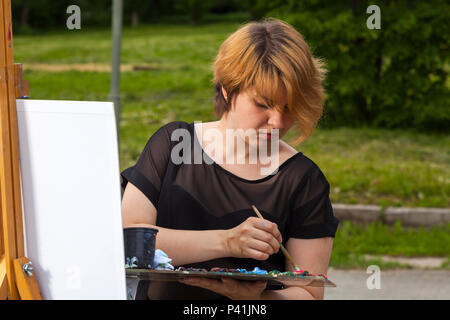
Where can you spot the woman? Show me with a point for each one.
(265, 78)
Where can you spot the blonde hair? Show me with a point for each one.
(263, 56)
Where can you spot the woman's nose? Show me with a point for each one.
(275, 119)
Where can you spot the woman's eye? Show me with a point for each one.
(262, 106)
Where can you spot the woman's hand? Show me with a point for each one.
(233, 289)
(254, 238)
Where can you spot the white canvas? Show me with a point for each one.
(72, 198)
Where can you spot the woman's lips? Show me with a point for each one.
(267, 133)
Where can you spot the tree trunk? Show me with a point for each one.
(355, 7)
(134, 19)
(25, 13)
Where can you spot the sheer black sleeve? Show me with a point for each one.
(148, 173)
(311, 213)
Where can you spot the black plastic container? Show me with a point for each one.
(139, 247)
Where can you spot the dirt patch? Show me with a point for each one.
(415, 262)
(88, 67)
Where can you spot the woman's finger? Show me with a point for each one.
(261, 246)
(255, 254)
(210, 284)
(266, 237)
(268, 226)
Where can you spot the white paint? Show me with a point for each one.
(72, 198)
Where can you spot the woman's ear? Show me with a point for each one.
(224, 94)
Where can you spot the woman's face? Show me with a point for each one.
(249, 112)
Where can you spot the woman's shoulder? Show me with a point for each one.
(289, 154)
(166, 131)
(300, 166)
(162, 137)
(171, 126)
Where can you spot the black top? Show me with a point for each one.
(190, 196)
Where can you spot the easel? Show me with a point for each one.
(16, 278)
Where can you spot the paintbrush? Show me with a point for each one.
(283, 249)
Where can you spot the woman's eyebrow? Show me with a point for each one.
(261, 103)
(257, 102)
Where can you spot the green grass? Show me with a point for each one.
(446, 264)
(366, 166)
(353, 242)
(358, 261)
(384, 167)
(163, 44)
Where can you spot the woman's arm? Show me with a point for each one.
(312, 255)
(250, 239)
(183, 247)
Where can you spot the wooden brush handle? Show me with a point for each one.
(283, 249)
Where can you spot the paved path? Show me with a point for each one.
(395, 284)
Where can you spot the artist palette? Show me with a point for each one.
(284, 279)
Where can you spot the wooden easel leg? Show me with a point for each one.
(7, 172)
(12, 85)
(26, 282)
(22, 86)
(3, 282)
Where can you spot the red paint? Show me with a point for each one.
(299, 271)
